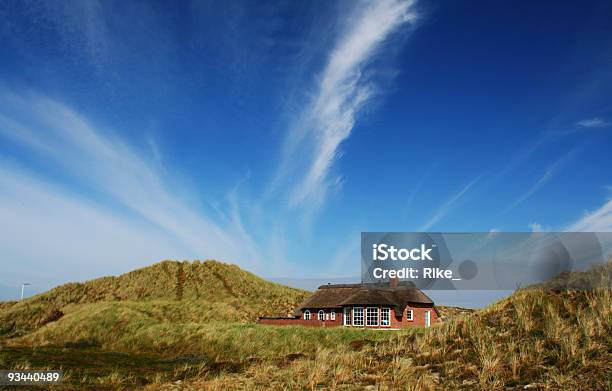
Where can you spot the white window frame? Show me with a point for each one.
(369, 311)
(332, 315)
(307, 315)
(410, 315)
(347, 316)
(385, 316)
(359, 317)
(321, 315)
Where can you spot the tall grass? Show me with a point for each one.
(541, 338)
(558, 346)
(538, 338)
(178, 288)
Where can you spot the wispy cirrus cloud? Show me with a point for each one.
(448, 205)
(548, 174)
(595, 122)
(340, 95)
(599, 220)
(101, 182)
(49, 233)
(546, 138)
(104, 192)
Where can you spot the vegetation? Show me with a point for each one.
(166, 291)
(539, 338)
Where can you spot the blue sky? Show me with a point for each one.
(270, 134)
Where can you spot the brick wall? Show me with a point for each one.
(418, 318)
(299, 322)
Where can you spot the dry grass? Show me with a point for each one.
(566, 345)
(233, 293)
(538, 338)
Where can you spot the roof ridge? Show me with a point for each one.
(335, 296)
(375, 285)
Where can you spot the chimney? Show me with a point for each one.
(393, 282)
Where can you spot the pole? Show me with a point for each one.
(23, 288)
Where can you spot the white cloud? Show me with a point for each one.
(115, 178)
(549, 173)
(448, 205)
(50, 234)
(593, 123)
(599, 220)
(493, 232)
(342, 92)
(536, 227)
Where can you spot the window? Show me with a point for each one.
(372, 316)
(409, 315)
(385, 316)
(306, 315)
(332, 315)
(326, 316)
(321, 315)
(358, 316)
(347, 316)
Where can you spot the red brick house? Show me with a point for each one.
(385, 306)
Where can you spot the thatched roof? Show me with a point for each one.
(370, 297)
(340, 295)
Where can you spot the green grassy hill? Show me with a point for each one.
(131, 332)
(538, 338)
(168, 291)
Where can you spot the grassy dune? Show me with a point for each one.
(129, 332)
(539, 338)
(181, 352)
(203, 289)
(534, 339)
